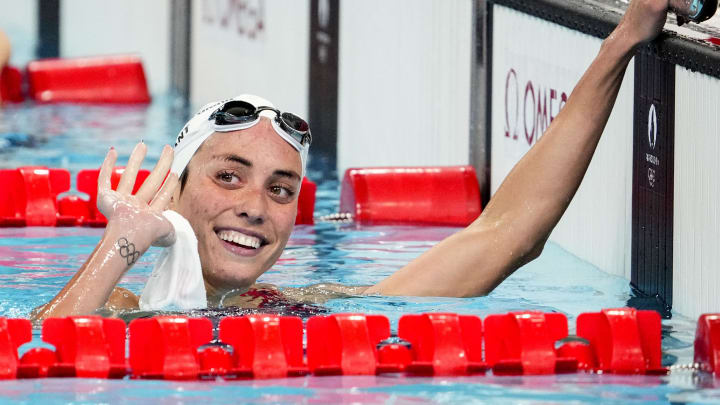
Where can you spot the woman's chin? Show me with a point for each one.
(220, 283)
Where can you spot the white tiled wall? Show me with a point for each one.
(233, 54)
(696, 222)
(142, 27)
(404, 82)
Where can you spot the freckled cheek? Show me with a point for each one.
(206, 205)
(204, 208)
(286, 222)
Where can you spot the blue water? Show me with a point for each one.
(36, 262)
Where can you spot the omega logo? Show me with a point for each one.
(244, 17)
(652, 126)
(538, 104)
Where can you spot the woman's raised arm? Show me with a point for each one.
(519, 218)
(135, 222)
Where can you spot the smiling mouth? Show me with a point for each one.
(240, 239)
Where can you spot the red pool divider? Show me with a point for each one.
(13, 333)
(166, 347)
(306, 203)
(345, 344)
(443, 343)
(621, 341)
(524, 343)
(11, 85)
(411, 195)
(707, 343)
(85, 346)
(265, 346)
(100, 79)
(625, 340)
(29, 195)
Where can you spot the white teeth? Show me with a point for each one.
(240, 239)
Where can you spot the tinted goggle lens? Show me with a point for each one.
(295, 122)
(239, 109)
(238, 112)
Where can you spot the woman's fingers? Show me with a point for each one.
(105, 175)
(154, 180)
(161, 200)
(127, 181)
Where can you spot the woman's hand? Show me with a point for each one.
(141, 212)
(643, 20)
(134, 223)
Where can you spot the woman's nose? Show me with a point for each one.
(252, 206)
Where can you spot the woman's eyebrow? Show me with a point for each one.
(233, 158)
(290, 174)
(287, 173)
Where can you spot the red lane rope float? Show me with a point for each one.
(345, 344)
(411, 195)
(524, 343)
(707, 343)
(11, 85)
(621, 341)
(165, 347)
(265, 346)
(86, 346)
(443, 344)
(13, 333)
(101, 79)
(625, 340)
(306, 203)
(29, 197)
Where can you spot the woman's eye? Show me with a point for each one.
(226, 177)
(282, 192)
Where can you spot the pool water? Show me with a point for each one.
(36, 262)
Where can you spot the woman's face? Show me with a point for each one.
(241, 200)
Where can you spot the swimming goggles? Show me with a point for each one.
(243, 115)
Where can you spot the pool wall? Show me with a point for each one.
(126, 26)
(258, 47)
(696, 221)
(404, 83)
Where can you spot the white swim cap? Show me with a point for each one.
(199, 128)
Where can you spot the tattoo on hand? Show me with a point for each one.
(127, 251)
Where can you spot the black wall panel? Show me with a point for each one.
(653, 150)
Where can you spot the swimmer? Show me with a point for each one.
(236, 173)
(4, 53)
